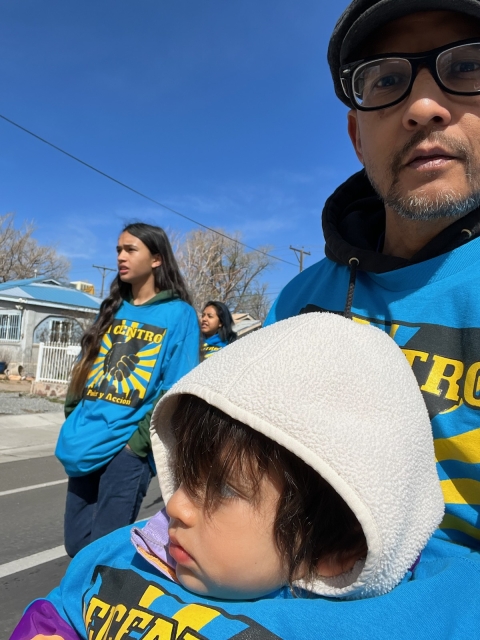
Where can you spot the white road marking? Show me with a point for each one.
(33, 486)
(42, 557)
(31, 561)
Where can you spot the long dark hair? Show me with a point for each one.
(226, 332)
(167, 276)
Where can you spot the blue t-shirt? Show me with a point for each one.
(432, 311)
(143, 353)
(211, 345)
(111, 591)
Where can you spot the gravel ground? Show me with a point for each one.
(17, 403)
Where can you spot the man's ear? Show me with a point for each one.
(354, 133)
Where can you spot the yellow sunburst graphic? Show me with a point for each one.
(124, 365)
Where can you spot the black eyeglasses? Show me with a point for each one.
(382, 81)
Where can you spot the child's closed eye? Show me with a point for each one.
(227, 492)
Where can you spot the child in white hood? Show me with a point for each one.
(295, 464)
(314, 435)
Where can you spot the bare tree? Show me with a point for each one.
(217, 268)
(22, 257)
(257, 304)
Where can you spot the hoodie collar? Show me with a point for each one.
(354, 223)
(162, 296)
(215, 341)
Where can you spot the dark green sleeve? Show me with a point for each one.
(71, 402)
(139, 442)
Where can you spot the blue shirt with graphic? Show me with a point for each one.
(211, 345)
(431, 310)
(143, 353)
(111, 591)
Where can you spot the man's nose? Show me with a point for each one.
(427, 104)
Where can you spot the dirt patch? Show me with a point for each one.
(22, 386)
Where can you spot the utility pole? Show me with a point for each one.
(299, 254)
(103, 270)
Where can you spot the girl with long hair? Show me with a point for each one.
(217, 327)
(144, 339)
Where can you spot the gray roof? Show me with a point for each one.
(244, 323)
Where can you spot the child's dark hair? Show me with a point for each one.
(313, 523)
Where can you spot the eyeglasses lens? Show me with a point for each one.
(381, 82)
(459, 68)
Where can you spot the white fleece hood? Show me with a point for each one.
(343, 398)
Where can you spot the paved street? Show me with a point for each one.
(32, 497)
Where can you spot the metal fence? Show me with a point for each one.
(55, 361)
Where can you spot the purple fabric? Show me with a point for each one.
(41, 617)
(153, 538)
(414, 565)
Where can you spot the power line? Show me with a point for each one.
(139, 193)
(252, 295)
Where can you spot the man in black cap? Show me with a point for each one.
(402, 235)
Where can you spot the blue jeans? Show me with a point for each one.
(105, 500)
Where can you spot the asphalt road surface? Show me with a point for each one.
(32, 557)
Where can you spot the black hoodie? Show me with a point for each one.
(354, 223)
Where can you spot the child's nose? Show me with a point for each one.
(180, 507)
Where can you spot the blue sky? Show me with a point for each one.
(221, 109)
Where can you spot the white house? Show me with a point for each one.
(40, 310)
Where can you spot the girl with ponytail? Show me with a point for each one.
(145, 338)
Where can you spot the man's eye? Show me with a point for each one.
(386, 82)
(466, 66)
(375, 84)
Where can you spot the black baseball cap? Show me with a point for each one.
(362, 17)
